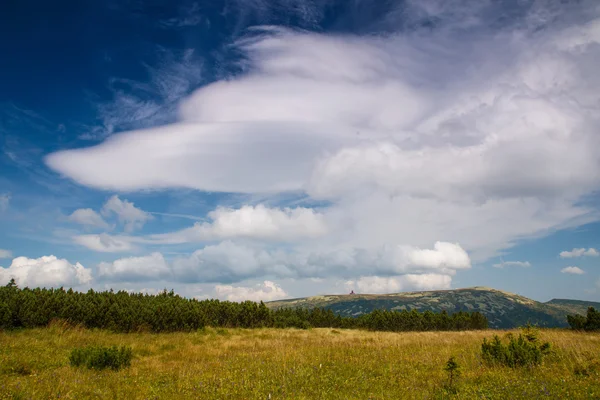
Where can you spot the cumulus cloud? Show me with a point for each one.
(46, 271)
(394, 284)
(407, 142)
(580, 252)
(128, 214)
(5, 253)
(443, 255)
(258, 222)
(232, 262)
(266, 291)
(88, 217)
(521, 264)
(146, 268)
(105, 243)
(572, 270)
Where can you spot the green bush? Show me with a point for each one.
(524, 350)
(92, 357)
(453, 370)
(576, 322)
(591, 322)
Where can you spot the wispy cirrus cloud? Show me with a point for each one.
(139, 104)
(188, 16)
(5, 253)
(4, 201)
(521, 264)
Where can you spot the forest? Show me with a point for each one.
(168, 312)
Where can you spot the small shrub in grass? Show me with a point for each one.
(113, 357)
(453, 370)
(526, 350)
(586, 370)
(17, 368)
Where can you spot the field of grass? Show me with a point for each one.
(291, 364)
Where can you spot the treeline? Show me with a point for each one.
(168, 312)
(591, 322)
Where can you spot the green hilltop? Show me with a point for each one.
(504, 310)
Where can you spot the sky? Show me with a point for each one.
(260, 150)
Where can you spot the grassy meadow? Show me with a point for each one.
(291, 364)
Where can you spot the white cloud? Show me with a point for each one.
(443, 255)
(409, 143)
(231, 262)
(521, 264)
(132, 217)
(105, 243)
(258, 222)
(146, 268)
(572, 270)
(151, 102)
(395, 284)
(4, 201)
(580, 252)
(5, 253)
(267, 291)
(46, 271)
(270, 163)
(88, 217)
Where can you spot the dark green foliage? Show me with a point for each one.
(591, 322)
(114, 357)
(577, 322)
(591, 369)
(5, 316)
(397, 321)
(168, 312)
(453, 370)
(16, 368)
(524, 350)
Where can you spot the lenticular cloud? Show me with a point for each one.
(474, 133)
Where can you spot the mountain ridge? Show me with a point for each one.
(504, 310)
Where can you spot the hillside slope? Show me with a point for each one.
(573, 306)
(503, 309)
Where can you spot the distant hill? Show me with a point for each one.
(503, 309)
(573, 306)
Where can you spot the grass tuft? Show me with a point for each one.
(100, 357)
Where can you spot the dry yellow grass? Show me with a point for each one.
(290, 364)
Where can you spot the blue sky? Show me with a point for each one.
(269, 149)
